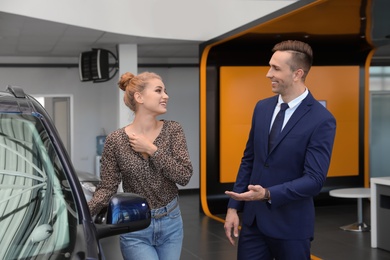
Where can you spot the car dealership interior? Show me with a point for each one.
(213, 57)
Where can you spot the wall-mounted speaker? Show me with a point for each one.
(94, 65)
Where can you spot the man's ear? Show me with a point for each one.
(138, 97)
(298, 74)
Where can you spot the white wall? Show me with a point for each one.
(95, 105)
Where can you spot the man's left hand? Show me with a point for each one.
(255, 192)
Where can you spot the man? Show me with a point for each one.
(276, 181)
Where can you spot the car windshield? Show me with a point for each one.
(38, 216)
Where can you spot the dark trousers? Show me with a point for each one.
(254, 245)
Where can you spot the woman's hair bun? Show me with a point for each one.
(125, 80)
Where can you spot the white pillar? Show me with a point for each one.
(128, 62)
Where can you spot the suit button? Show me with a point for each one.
(266, 165)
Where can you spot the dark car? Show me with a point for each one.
(43, 209)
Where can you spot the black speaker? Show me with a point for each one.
(94, 65)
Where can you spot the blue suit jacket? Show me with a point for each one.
(294, 171)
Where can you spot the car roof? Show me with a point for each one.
(14, 100)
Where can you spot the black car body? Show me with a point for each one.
(43, 209)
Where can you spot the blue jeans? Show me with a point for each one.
(162, 240)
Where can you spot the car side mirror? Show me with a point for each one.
(126, 212)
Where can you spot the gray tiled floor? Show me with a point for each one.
(204, 237)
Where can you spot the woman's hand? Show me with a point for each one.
(141, 144)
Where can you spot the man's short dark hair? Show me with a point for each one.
(302, 54)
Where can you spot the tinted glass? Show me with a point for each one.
(38, 217)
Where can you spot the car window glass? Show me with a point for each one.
(38, 217)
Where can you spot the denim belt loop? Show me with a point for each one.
(166, 209)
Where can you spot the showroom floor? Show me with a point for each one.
(204, 238)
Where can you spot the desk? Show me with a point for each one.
(359, 194)
(385, 181)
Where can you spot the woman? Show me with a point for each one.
(150, 157)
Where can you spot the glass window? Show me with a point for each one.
(380, 78)
(38, 217)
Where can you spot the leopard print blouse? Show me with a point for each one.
(154, 178)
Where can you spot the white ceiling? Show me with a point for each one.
(53, 29)
(21, 36)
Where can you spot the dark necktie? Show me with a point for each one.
(277, 126)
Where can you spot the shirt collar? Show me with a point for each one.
(296, 101)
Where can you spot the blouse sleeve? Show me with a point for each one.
(172, 157)
(110, 178)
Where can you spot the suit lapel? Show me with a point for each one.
(269, 113)
(301, 110)
(268, 118)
